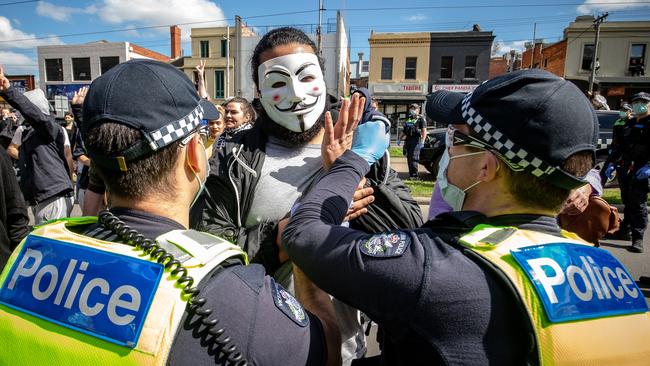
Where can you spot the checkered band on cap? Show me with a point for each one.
(517, 157)
(176, 130)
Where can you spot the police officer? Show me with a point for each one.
(630, 155)
(496, 281)
(134, 286)
(614, 151)
(415, 133)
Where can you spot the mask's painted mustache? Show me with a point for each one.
(294, 106)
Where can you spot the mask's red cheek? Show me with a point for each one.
(276, 98)
(315, 89)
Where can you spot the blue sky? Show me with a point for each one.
(511, 21)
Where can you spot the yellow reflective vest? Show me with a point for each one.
(69, 299)
(582, 303)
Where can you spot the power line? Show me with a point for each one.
(153, 26)
(309, 11)
(19, 2)
(490, 6)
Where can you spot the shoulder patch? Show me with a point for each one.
(288, 304)
(386, 244)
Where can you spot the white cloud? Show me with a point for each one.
(416, 18)
(505, 47)
(595, 6)
(20, 39)
(162, 12)
(57, 12)
(17, 63)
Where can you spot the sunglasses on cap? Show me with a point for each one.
(202, 130)
(453, 137)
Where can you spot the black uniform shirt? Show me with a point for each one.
(435, 304)
(636, 143)
(247, 304)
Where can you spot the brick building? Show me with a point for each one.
(553, 57)
(498, 66)
(545, 56)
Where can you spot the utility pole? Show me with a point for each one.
(597, 23)
(227, 93)
(238, 58)
(532, 51)
(319, 30)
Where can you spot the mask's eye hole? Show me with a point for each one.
(278, 84)
(307, 79)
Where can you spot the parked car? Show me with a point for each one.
(434, 145)
(433, 148)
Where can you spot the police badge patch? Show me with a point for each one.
(386, 244)
(288, 304)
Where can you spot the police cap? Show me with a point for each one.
(533, 119)
(150, 96)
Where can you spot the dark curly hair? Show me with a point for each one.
(279, 37)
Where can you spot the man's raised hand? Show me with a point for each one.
(4, 82)
(79, 96)
(338, 138)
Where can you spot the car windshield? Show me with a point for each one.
(606, 120)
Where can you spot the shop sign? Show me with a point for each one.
(67, 90)
(400, 88)
(459, 88)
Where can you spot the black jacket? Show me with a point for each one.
(231, 186)
(14, 222)
(44, 168)
(435, 302)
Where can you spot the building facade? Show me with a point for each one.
(398, 71)
(621, 65)
(459, 60)
(405, 67)
(64, 69)
(218, 47)
(546, 56)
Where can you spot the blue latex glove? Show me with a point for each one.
(643, 173)
(370, 141)
(609, 172)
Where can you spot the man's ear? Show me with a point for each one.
(490, 165)
(194, 151)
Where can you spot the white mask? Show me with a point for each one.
(292, 89)
(453, 195)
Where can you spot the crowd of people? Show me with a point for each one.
(275, 232)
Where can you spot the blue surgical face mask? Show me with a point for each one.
(453, 195)
(640, 109)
